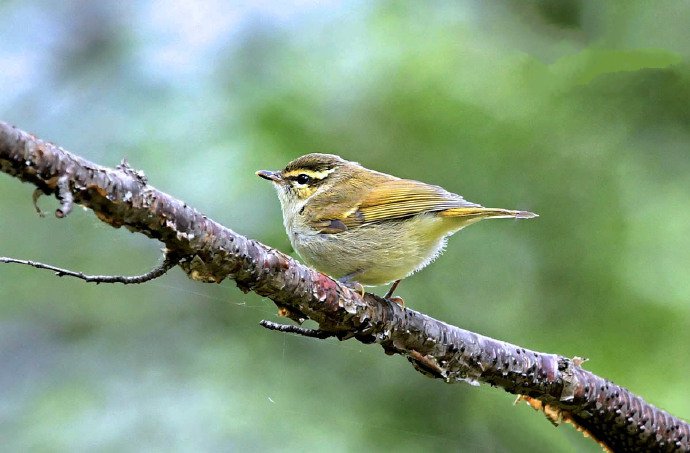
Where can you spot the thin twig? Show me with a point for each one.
(312, 333)
(168, 263)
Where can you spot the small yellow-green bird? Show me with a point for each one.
(363, 226)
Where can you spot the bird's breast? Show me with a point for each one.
(375, 253)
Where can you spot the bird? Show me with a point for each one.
(368, 228)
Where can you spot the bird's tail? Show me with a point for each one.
(480, 212)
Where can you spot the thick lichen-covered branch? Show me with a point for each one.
(208, 251)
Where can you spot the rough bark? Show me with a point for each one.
(618, 419)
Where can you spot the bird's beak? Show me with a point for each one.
(273, 176)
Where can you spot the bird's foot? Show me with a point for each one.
(398, 300)
(352, 284)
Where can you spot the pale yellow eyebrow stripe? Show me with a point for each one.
(312, 174)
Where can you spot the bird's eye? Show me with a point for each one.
(302, 179)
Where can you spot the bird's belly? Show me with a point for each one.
(375, 254)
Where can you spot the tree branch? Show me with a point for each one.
(168, 263)
(120, 197)
(312, 333)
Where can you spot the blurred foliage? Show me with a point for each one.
(577, 110)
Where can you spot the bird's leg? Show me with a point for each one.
(392, 289)
(389, 294)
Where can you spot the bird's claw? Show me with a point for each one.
(398, 300)
(353, 285)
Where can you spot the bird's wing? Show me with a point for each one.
(400, 198)
(390, 198)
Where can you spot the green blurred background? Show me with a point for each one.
(577, 110)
